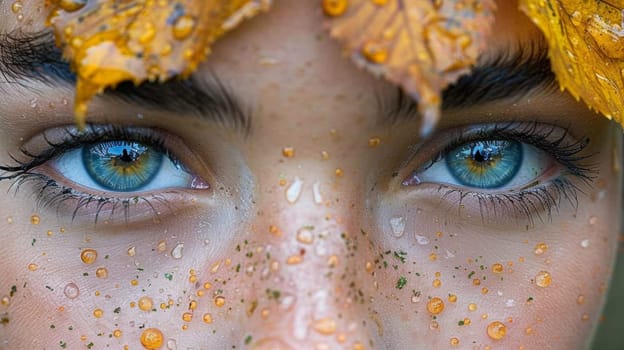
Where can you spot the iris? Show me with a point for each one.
(121, 166)
(485, 164)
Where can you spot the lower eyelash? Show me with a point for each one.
(49, 194)
(540, 201)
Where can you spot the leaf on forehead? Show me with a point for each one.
(108, 42)
(586, 49)
(422, 45)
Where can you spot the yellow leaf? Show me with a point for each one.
(108, 42)
(586, 49)
(422, 45)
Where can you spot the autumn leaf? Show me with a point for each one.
(586, 49)
(108, 42)
(422, 45)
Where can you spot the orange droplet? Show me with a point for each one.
(435, 305)
(496, 330)
(88, 256)
(152, 339)
(540, 248)
(497, 268)
(145, 303)
(219, 301)
(288, 152)
(543, 279)
(98, 313)
(374, 52)
(183, 27)
(207, 318)
(72, 5)
(335, 8)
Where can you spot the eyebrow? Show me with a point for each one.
(504, 75)
(34, 56)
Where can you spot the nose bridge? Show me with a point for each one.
(314, 268)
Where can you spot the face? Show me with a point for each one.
(284, 199)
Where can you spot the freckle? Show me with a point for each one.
(49, 233)
(585, 317)
(10, 220)
(288, 152)
(484, 290)
(496, 330)
(88, 256)
(163, 306)
(207, 285)
(117, 333)
(161, 246)
(274, 230)
(580, 299)
(200, 293)
(187, 317)
(33, 267)
(219, 301)
(332, 261)
(35, 219)
(282, 182)
(497, 268)
(358, 346)
(521, 259)
(454, 341)
(339, 172)
(62, 230)
(134, 282)
(467, 321)
(435, 305)
(476, 281)
(433, 257)
(192, 279)
(369, 267)
(593, 220)
(452, 298)
(472, 307)
(145, 303)
(97, 293)
(207, 318)
(528, 330)
(101, 272)
(98, 313)
(265, 313)
(131, 251)
(325, 326)
(184, 327)
(132, 304)
(436, 283)
(540, 248)
(543, 279)
(152, 339)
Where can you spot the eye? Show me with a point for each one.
(122, 166)
(488, 165)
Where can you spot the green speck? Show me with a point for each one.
(401, 282)
(248, 340)
(168, 276)
(471, 274)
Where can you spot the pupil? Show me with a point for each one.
(125, 157)
(479, 157)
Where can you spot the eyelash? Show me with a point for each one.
(533, 199)
(49, 193)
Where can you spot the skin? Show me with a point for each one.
(282, 292)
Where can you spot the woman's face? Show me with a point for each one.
(285, 200)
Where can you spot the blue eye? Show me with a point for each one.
(122, 166)
(485, 164)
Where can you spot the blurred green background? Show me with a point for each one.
(610, 334)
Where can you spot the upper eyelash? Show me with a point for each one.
(49, 192)
(569, 155)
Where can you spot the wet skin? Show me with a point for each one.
(355, 258)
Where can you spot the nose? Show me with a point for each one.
(310, 292)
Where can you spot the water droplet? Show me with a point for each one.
(187, 317)
(145, 303)
(152, 339)
(98, 313)
(316, 191)
(305, 235)
(33, 267)
(35, 219)
(543, 279)
(183, 27)
(71, 291)
(207, 318)
(117, 333)
(88, 256)
(472, 307)
(335, 8)
(172, 344)
(294, 190)
(454, 341)
(131, 251)
(325, 326)
(585, 243)
(510, 303)
(593, 220)
(422, 240)
(436, 283)
(339, 172)
(374, 142)
(178, 251)
(435, 305)
(288, 152)
(496, 330)
(101, 272)
(374, 52)
(397, 225)
(72, 5)
(452, 298)
(540, 248)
